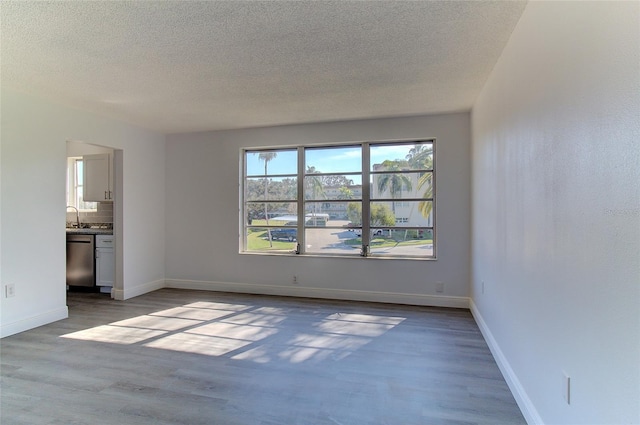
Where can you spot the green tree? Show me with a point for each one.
(336, 180)
(313, 183)
(354, 213)
(345, 193)
(277, 189)
(314, 186)
(395, 181)
(267, 157)
(381, 215)
(420, 157)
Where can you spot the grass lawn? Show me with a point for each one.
(258, 241)
(383, 242)
(272, 222)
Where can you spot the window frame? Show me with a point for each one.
(366, 199)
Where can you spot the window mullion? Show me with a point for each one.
(301, 202)
(366, 195)
(76, 184)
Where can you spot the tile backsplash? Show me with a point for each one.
(103, 215)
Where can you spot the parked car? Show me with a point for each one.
(374, 232)
(284, 233)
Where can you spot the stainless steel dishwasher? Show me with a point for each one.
(81, 262)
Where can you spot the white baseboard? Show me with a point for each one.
(22, 325)
(127, 293)
(334, 294)
(527, 408)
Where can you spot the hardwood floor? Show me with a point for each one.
(193, 357)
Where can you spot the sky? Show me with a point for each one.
(341, 159)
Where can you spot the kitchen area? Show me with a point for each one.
(90, 243)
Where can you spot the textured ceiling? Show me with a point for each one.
(178, 66)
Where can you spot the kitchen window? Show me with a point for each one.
(369, 199)
(75, 186)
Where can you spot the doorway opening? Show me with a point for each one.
(94, 219)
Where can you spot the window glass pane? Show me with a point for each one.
(405, 156)
(401, 185)
(402, 214)
(334, 186)
(402, 243)
(334, 213)
(270, 189)
(277, 213)
(271, 162)
(400, 198)
(282, 239)
(341, 159)
(79, 203)
(76, 197)
(284, 219)
(343, 241)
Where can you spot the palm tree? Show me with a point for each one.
(266, 157)
(425, 207)
(421, 157)
(396, 181)
(314, 183)
(345, 193)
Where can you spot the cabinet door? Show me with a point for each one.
(105, 267)
(97, 178)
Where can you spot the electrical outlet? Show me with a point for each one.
(439, 287)
(566, 387)
(9, 290)
(295, 279)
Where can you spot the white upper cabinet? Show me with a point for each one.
(98, 177)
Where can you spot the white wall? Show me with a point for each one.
(75, 148)
(556, 211)
(34, 133)
(202, 217)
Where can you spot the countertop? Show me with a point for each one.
(89, 231)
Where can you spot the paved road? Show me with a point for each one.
(328, 240)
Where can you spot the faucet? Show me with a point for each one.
(77, 215)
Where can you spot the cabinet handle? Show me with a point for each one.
(105, 195)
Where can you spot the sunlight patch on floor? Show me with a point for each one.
(255, 319)
(244, 332)
(193, 313)
(198, 344)
(231, 330)
(157, 323)
(218, 306)
(115, 334)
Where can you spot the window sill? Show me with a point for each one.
(347, 257)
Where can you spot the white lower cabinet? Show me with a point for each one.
(105, 262)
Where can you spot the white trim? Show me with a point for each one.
(34, 321)
(334, 294)
(525, 404)
(121, 295)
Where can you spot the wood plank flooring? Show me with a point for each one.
(194, 357)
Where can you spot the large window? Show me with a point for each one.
(366, 199)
